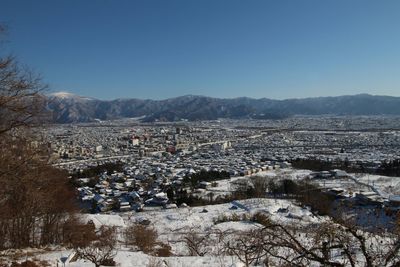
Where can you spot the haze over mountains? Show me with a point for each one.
(69, 108)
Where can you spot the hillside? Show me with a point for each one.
(68, 108)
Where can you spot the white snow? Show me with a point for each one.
(172, 224)
(67, 95)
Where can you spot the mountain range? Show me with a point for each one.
(69, 108)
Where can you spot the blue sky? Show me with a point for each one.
(159, 49)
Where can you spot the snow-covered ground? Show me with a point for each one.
(126, 258)
(172, 224)
(225, 186)
(385, 185)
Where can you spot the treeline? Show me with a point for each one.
(182, 196)
(205, 176)
(304, 192)
(387, 168)
(93, 171)
(390, 168)
(36, 200)
(322, 165)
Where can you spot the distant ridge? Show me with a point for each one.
(69, 108)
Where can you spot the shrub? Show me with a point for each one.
(235, 217)
(261, 218)
(221, 219)
(164, 250)
(142, 236)
(196, 243)
(27, 263)
(108, 262)
(154, 262)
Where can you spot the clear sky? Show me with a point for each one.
(159, 49)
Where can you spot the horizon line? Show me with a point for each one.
(66, 94)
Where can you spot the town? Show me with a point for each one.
(147, 165)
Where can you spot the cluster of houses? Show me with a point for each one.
(145, 181)
(119, 192)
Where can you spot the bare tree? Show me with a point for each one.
(330, 244)
(142, 236)
(247, 246)
(21, 99)
(97, 246)
(21, 106)
(260, 185)
(35, 199)
(196, 243)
